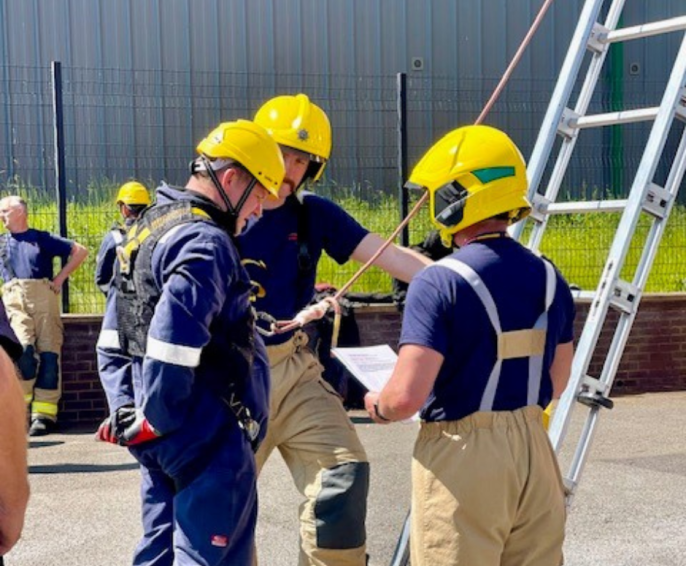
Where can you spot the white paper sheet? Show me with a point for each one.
(372, 366)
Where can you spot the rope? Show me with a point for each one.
(317, 311)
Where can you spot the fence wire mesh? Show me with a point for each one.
(121, 125)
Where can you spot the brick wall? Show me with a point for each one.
(654, 358)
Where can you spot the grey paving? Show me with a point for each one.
(629, 510)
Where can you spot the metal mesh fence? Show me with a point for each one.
(120, 125)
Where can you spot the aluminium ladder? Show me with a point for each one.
(644, 197)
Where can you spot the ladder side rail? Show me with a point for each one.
(554, 115)
(674, 179)
(580, 109)
(620, 245)
(604, 384)
(561, 93)
(573, 477)
(656, 231)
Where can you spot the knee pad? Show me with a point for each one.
(49, 371)
(341, 506)
(28, 364)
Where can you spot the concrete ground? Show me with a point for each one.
(630, 508)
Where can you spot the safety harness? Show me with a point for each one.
(138, 295)
(528, 342)
(306, 263)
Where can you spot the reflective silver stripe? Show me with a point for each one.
(109, 339)
(476, 283)
(169, 233)
(117, 236)
(173, 353)
(550, 284)
(536, 364)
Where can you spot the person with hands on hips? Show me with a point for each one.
(486, 344)
(186, 376)
(30, 296)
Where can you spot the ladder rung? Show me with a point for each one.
(582, 294)
(644, 30)
(571, 120)
(587, 206)
(612, 118)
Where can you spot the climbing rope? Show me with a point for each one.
(318, 310)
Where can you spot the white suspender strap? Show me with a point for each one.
(541, 325)
(518, 343)
(476, 283)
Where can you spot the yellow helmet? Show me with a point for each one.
(472, 173)
(133, 194)
(295, 122)
(251, 146)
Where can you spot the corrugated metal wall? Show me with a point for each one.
(145, 79)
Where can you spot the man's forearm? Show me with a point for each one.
(401, 263)
(77, 257)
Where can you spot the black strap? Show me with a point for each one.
(304, 255)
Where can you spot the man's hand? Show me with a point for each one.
(371, 403)
(126, 427)
(139, 431)
(56, 285)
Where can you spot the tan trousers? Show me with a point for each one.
(318, 442)
(33, 311)
(487, 491)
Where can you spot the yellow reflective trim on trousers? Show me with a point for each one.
(49, 409)
(28, 397)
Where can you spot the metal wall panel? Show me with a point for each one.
(145, 79)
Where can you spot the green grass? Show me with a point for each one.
(578, 244)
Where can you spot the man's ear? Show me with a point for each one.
(226, 176)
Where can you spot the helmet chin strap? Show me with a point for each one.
(231, 210)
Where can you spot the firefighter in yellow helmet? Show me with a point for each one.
(132, 198)
(486, 343)
(308, 423)
(186, 377)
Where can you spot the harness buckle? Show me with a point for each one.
(267, 318)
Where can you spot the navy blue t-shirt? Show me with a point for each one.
(269, 250)
(31, 254)
(444, 313)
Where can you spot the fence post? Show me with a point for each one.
(60, 178)
(402, 153)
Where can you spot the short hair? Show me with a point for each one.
(15, 200)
